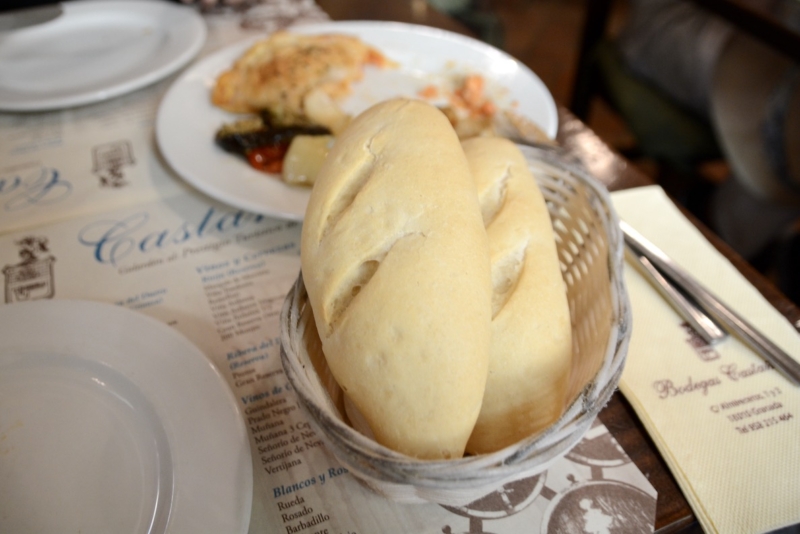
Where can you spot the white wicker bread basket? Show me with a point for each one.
(590, 249)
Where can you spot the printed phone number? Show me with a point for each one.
(765, 423)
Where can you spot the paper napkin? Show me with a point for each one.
(726, 422)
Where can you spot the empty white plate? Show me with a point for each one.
(97, 49)
(114, 422)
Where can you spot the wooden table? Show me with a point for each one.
(673, 513)
(409, 11)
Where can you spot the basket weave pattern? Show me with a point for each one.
(589, 245)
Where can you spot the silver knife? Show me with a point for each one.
(712, 306)
(704, 325)
(23, 18)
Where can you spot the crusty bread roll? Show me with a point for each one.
(395, 259)
(531, 348)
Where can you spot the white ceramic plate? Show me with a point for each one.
(187, 121)
(96, 50)
(113, 422)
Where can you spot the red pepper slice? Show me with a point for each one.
(268, 158)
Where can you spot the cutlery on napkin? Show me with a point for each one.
(724, 419)
(705, 312)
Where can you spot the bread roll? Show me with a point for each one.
(531, 347)
(396, 263)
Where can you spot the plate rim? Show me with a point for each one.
(207, 64)
(194, 41)
(234, 442)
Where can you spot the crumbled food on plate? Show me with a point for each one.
(297, 77)
(429, 92)
(290, 83)
(470, 96)
(472, 113)
(469, 110)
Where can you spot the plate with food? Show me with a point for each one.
(250, 124)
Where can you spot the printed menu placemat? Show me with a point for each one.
(220, 276)
(89, 159)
